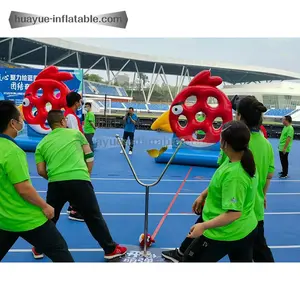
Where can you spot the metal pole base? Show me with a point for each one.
(137, 255)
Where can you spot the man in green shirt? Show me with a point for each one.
(89, 124)
(285, 145)
(23, 213)
(65, 159)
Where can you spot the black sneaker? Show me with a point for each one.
(75, 216)
(283, 176)
(172, 255)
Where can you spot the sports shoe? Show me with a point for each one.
(118, 252)
(36, 255)
(121, 152)
(75, 216)
(130, 152)
(283, 176)
(172, 255)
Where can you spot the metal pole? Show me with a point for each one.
(105, 110)
(147, 186)
(146, 219)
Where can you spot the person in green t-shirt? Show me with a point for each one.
(89, 124)
(250, 111)
(229, 223)
(285, 145)
(23, 213)
(64, 158)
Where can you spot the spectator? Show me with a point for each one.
(130, 125)
(285, 145)
(89, 124)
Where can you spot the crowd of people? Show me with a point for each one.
(230, 211)
(65, 159)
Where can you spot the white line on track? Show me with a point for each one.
(166, 180)
(181, 194)
(101, 250)
(181, 214)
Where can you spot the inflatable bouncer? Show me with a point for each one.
(35, 107)
(195, 151)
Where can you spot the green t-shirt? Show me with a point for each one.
(287, 131)
(222, 157)
(200, 118)
(264, 161)
(62, 152)
(89, 117)
(231, 188)
(16, 214)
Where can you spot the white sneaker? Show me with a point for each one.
(121, 152)
(130, 152)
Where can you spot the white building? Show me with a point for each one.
(278, 95)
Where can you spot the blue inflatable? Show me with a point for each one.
(28, 139)
(187, 155)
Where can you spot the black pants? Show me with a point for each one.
(261, 251)
(83, 196)
(203, 249)
(284, 163)
(129, 135)
(89, 137)
(187, 241)
(46, 237)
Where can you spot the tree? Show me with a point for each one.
(93, 77)
(142, 79)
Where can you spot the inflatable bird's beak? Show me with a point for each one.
(162, 123)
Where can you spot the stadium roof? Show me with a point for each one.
(63, 53)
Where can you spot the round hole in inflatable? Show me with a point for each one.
(190, 101)
(200, 116)
(56, 93)
(212, 102)
(199, 135)
(48, 106)
(217, 123)
(39, 93)
(182, 121)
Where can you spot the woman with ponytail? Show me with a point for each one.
(229, 222)
(250, 111)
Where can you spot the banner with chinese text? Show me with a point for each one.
(15, 81)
